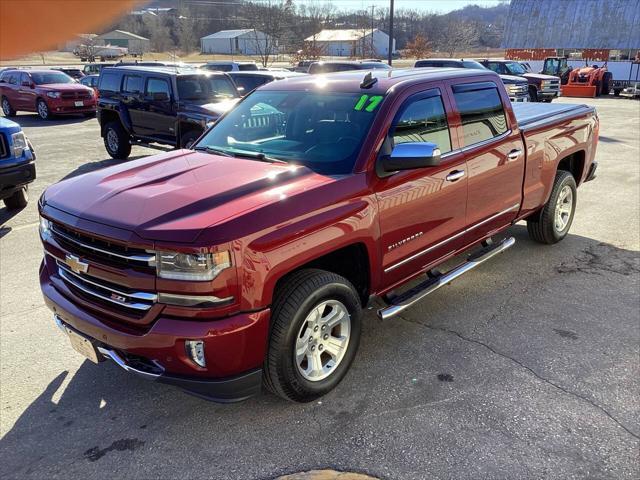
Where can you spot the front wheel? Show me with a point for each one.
(316, 324)
(7, 109)
(533, 95)
(18, 200)
(117, 141)
(552, 223)
(43, 109)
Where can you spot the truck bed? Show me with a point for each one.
(538, 115)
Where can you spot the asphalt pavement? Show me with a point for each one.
(528, 367)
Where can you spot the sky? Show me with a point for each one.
(440, 6)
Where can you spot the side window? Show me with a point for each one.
(157, 85)
(24, 78)
(494, 66)
(481, 111)
(109, 82)
(132, 84)
(13, 79)
(423, 120)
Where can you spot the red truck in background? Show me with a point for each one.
(248, 259)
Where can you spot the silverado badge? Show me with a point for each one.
(75, 264)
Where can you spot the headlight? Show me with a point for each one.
(90, 92)
(19, 143)
(45, 228)
(53, 94)
(191, 266)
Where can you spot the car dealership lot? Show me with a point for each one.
(526, 368)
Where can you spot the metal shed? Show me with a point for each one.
(243, 42)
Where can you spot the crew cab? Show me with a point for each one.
(17, 165)
(247, 260)
(517, 87)
(46, 92)
(159, 105)
(542, 88)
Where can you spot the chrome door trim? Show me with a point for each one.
(457, 235)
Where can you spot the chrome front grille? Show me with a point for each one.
(517, 90)
(98, 289)
(104, 251)
(75, 95)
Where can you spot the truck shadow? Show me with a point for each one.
(33, 120)
(102, 411)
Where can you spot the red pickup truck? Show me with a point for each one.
(248, 260)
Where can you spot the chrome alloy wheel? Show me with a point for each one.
(564, 207)
(6, 107)
(323, 340)
(112, 140)
(43, 110)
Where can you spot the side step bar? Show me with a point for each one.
(417, 293)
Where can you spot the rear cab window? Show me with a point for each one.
(481, 112)
(422, 118)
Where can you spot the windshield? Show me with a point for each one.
(321, 130)
(514, 68)
(224, 67)
(208, 88)
(45, 78)
(473, 64)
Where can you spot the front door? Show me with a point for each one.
(159, 116)
(422, 211)
(495, 157)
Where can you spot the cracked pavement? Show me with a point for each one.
(527, 367)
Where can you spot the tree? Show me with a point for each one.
(458, 36)
(186, 31)
(419, 47)
(270, 23)
(309, 51)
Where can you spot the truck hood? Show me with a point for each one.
(172, 197)
(63, 87)
(540, 76)
(507, 79)
(210, 109)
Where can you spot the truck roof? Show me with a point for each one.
(162, 69)
(350, 81)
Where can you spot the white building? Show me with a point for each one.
(241, 42)
(352, 42)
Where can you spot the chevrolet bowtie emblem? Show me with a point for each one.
(75, 264)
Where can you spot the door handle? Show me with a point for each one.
(455, 175)
(514, 154)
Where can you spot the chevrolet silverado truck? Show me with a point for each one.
(159, 105)
(247, 260)
(542, 88)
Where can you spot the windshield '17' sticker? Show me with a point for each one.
(371, 102)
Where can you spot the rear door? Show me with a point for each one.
(421, 211)
(493, 148)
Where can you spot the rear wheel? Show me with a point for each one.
(552, 223)
(117, 141)
(314, 337)
(18, 200)
(189, 138)
(6, 108)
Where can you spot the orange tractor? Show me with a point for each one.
(588, 81)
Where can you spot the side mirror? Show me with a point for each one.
(160, 97)
(408, 156)
(240, 91)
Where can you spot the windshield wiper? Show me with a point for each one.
(216, 151)
(257, 156)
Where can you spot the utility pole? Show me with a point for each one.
(390, 59)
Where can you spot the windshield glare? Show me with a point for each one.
(515, 68)
(48, 78)
(321, 130)
(205, 88)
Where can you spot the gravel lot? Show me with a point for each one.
(529, 367)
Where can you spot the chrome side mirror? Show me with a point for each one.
(408, 156)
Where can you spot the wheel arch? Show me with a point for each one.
(574, 164)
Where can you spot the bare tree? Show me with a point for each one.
(159, 34)
(458, 36)
(89, 48)
(186, 31)
(309, 51)
(419, 47)
(270, 23)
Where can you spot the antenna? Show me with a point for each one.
(368, 81)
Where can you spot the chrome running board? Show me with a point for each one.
(417, 293)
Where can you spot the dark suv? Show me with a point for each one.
(517, 88)
(159, 105)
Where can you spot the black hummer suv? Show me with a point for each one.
(159, 105)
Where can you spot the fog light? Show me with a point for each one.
(195, 351)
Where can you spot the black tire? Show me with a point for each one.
(117, 141)
(606, 83)
(7, 109)
(18, 200)
(43, 109)
(542, 225)
(299, 294)
(533, 94)
(616, 92)
(186, 141)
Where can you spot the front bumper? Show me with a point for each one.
(548, 93)
(62, 106)
(519, 99)
(235, 347)
(15, 177)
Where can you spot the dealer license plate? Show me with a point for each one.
(80, 103)
(83, 345)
